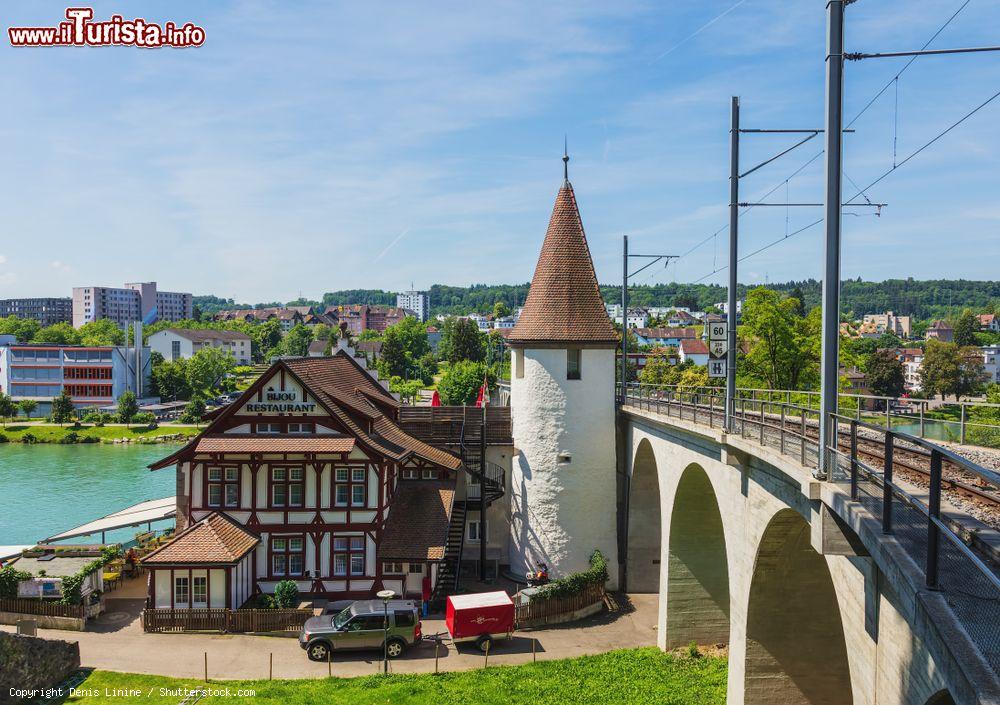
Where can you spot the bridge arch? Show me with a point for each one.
(796, 652)
(697, 591)
(942, 697)
(644, 529)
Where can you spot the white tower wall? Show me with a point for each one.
(562, 511)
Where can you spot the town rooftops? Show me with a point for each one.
(663, 333)
(215, 540)
(694, 346)
(417, 526)
(940, 325)
(564, 303)
(200, 335)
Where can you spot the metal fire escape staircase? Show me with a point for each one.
(485, 484)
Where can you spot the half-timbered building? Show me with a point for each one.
(308, 477)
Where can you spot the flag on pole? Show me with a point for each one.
(436, 399)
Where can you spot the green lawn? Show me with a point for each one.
(637, 676)
(52, 433)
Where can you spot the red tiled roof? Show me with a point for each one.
(349, 393)
(417, 526)
(690, 332)
(695, 346)
(246, 443)
(564, 303)
(214, 539)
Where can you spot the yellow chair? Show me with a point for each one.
(112, 578)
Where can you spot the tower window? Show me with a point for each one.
(573, 363)
(519, 363)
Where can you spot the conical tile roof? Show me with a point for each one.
(564, 303)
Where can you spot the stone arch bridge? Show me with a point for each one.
(820, 601)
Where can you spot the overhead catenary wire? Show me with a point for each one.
(861, 192)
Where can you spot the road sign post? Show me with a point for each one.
(718, 349)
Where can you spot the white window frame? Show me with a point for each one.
(474, 530)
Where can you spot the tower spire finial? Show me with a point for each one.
(565, 159)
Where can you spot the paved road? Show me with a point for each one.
(118, 643)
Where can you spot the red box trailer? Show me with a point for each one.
(480, 617)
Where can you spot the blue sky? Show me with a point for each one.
(308, 147)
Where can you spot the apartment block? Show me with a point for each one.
(47, 311)
(139, 301)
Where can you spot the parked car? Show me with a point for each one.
(362, 626)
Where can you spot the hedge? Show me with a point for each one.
(575, 583)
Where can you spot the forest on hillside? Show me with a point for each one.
(923, 299)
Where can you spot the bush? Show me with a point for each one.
(3, 438)
(145, 418)
(9, 578)
(71, 437)
(575, 583)
(29, 437)
(98, 418)
(286, 594)
(193, 412)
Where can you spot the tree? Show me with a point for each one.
(392, 358)
(460, 383)
(286, 595)
(58, 333)
(971, 370)
(297, 341)
(207, 368)
(408, 390)
(24, 329)
(966, 328)
(800, 298)
(461, 340)
(885, 374)
(62, 408)
(500, 310)
(128, 407)
(193, 411)
(661, 368)
(101, 332)
(941, 369)
(28, 406)
(8, 407)
(170, 380)
(784, 349)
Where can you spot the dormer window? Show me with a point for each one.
(302, 428)
(268, 428)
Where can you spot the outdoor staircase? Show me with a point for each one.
(488, 478)
(448, 567)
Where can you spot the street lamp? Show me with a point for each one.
(385, 596)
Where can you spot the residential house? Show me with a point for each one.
(664, 337)
(695, 350)
(183, 343)
(989, 322)
(940, 330)
(991, 363)
(889, 322)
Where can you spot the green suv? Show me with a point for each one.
(362, 626)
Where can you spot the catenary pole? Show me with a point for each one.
(831, 245)
(624, 363)
(734, 199)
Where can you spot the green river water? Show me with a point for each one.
(49, 488)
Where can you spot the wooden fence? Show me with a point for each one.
(41, 607)
(542, 611)
(215, 619)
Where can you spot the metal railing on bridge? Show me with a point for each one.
(899, 478)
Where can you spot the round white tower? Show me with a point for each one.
(563, 481)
